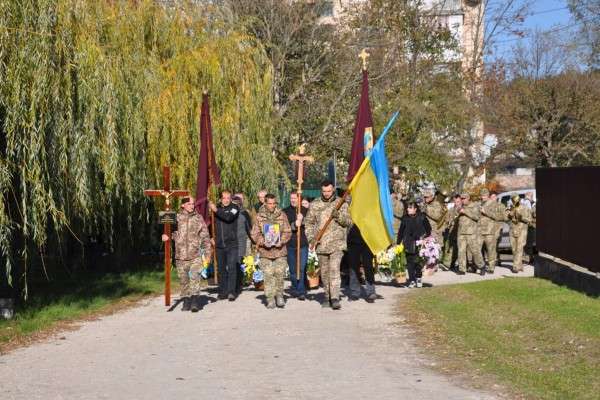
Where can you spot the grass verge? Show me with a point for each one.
(540, 340)
(56, 305)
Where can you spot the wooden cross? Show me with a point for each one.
(167, 194)
(301, 157)
(364, 55)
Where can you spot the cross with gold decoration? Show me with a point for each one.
(364, 55)
(301, 157)
(167, 193)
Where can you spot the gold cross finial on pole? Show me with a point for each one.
(302, 149)
(364, 55)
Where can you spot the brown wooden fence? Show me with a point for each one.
(568, 214)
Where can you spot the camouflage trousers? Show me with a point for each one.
(329, 265)
(189, 276)
(517, 243)
(274, 273)
(469, 243)
(450, 251)
(490, 243)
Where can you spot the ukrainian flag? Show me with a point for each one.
(371, 206)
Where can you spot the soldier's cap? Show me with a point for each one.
(428, 193)
(484, 192)
(185, 199)
(236, 198)
(515, 198)
(465, 195)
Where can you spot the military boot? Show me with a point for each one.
(271, 304)
(279, 301)
(187, 304)
(195, 303)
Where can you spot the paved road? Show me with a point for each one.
(237, 350)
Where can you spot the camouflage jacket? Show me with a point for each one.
(500, 211)
(191, 237)
(490, 216)
(436, 214)
(467, 221)
(281, 227)
(398, 209)
(452, 220)
(519, 219)
(334, 238)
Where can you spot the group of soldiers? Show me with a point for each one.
(469, 229)
(272, 233)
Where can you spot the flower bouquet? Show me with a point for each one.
(207, 266)
(247, 268)
(251, 271)
(391, 263)
(398, 263)
(429, 252)
(312, 269)
(258, 278)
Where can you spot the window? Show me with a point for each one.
(326, 9)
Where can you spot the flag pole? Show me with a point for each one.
(213, 227)
(328, 222)
(364, 55)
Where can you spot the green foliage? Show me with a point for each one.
(96, 96)
(552, 121)
(532, 335)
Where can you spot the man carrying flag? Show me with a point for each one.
(332, 243)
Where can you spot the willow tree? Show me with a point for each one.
(96, 95)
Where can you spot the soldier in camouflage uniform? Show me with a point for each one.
(468, 234)
(192, 251)
(519, 218)
(490, 216)
(450, 254)
(333, 243)
(273, 256)
(398, 210)
(436, 213)
(499, 223)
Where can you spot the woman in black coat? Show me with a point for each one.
(413, 226)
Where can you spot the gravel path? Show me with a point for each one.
(237, 350)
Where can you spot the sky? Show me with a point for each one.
(544, 15)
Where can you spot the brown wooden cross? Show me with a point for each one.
(301, 157)
(167, 194)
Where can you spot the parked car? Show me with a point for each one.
(504, 198)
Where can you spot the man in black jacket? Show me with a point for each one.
(244, 225)
(226, 245)
(296, 222)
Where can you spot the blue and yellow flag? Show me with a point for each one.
(371, 206)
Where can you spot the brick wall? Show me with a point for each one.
(515, 182)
